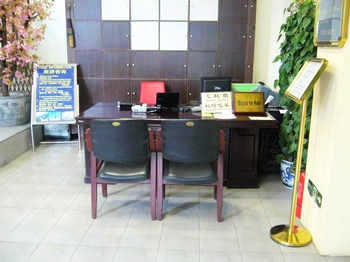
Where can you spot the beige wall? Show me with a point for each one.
(269, 18)
(329, 157)
(53, 49)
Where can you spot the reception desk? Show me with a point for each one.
(241, 159)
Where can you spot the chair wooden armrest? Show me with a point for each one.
(152, 140)
(221, 141)
(88, 141)
(158, 140)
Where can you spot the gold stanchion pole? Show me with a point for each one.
(292, 235)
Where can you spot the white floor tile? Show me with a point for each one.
(103, 236)
(136, 254)
(179, 242)
(218, 240)
(140, 241)
(15, 252)
(52, 252)
(34, 227)
(256, 240)
(70, 229)
(291, 257)
(93, 254)
(170, 255)
(10, 217)
(220, 256)
(262, 257)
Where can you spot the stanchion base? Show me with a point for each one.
(299, 238)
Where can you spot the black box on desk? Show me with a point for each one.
(125, 106)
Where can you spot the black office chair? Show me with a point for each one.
(190, 153)
(121, 151)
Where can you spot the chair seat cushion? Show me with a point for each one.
(189, 173)
(124, 173)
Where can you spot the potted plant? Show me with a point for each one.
(20, 33)
(297, 47)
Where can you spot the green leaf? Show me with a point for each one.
(277, 58)
(306, 22)
(296, 36)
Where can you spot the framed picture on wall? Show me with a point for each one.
(331, 23)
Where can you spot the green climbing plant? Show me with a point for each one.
(296, 36)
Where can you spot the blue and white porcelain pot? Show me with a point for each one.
(287, 176)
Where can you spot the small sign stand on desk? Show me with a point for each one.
(248, 103)
(55, 96)
(299, 91)
(216, 102)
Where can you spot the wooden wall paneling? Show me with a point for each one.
(117, 89)
(88, 34)
(90, 63)
(203, 36)
(193, 91)
(226, 64)
(173, 65)
(216, 48)
(238, 73)
(145, 64)
(232, 10)
(90, 91)
(135, 90)
(201, 63)
(232, 39)
(249, 55)
(179, 86)
(87, 9)
(116, 64)
(116, 35)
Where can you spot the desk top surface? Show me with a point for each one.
(109, 111)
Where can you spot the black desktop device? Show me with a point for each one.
(216, 84)
(124, 106)
(168, 102)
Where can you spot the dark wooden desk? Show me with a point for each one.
(242, 139)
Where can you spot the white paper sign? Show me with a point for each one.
(304, 78)
(216, 102)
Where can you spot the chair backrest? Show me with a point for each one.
(190, 141)
(149, 90)
(121, 141)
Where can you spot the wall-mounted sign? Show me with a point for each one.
(303, 82)
(55, 97)
(251, 103)
(331, 23)
(216, 102)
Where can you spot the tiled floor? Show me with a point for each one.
(45, 216)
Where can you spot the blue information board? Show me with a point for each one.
(55, 94)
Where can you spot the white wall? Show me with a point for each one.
(269, 18)
(328, 156)
(53, 49)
